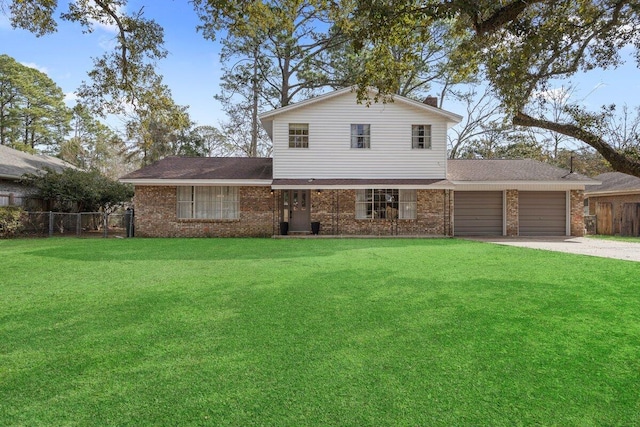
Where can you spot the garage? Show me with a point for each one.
(542, 213)
(478, 213)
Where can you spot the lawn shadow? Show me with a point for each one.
(217, 249)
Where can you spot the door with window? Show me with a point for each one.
(296, 208)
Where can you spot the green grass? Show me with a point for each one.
(243, 332)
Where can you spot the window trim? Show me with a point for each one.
(304, 136)
(224, 199)
(415, 144)
(369, 202)
(356, 135)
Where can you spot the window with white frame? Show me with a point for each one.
(421, 136)
(389, 204)
(360, 136)
(298, 135)
(208, 203)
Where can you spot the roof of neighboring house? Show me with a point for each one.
(615, 182)
(204, 168)
(510, 170)
(15, 163)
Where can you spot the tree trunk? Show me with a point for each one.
(253, 151)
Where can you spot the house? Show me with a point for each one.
(618, 193)
(355, 169)
(14, 164)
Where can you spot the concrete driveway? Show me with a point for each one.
(628, 251)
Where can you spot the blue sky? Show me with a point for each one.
(192, 69)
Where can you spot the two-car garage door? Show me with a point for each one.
(481, 213)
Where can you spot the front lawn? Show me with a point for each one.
(362, 332)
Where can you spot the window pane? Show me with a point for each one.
(421, 136)
(408, 204)
(360, 136)
(298, 135)
(185, 202)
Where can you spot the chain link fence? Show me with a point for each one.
(83, 224)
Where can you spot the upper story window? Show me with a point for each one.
(298, 135)
(360, 136)
(208, 203)
(421, 136)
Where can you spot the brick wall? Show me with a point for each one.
(336, 211)
(156, 215)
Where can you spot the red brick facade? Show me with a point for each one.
(260, 213)
(156, 215)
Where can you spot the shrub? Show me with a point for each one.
(11, 220)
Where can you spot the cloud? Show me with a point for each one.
(36, 67)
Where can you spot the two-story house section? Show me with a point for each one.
(333, 136)
(340, 167)
(361, 168)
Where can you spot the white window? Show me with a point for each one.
(421, 136)
(298, 135)
(386, 204)
(360, 136)
(208, 203)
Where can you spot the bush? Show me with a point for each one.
(11, 220)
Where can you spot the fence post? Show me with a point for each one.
(105, 224)
(50, 223)
(79, 224)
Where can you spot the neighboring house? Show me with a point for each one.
(14, 164)
(607, 201)
(357, 170)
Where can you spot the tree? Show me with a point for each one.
(32, 109)
(120, 77)
(74, 190)
(521, 45)
(93, 145)
(156, 126)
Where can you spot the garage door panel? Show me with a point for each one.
(542, 213)
(478, 213)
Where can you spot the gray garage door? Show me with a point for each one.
(477, 213)
(542, 213)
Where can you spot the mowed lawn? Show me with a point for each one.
(317, 332)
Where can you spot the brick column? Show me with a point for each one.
(577, 212)
(513, 224)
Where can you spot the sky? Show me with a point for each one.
(192, 69)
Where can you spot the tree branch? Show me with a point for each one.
(618, 161)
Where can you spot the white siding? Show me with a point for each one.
(330, 154)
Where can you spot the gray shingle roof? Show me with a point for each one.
(14, 163)
(509, 170)
(616, 181)
(206, 168)
(247, 168)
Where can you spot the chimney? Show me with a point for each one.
(431, 100)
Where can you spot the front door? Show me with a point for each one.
(297, 208)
